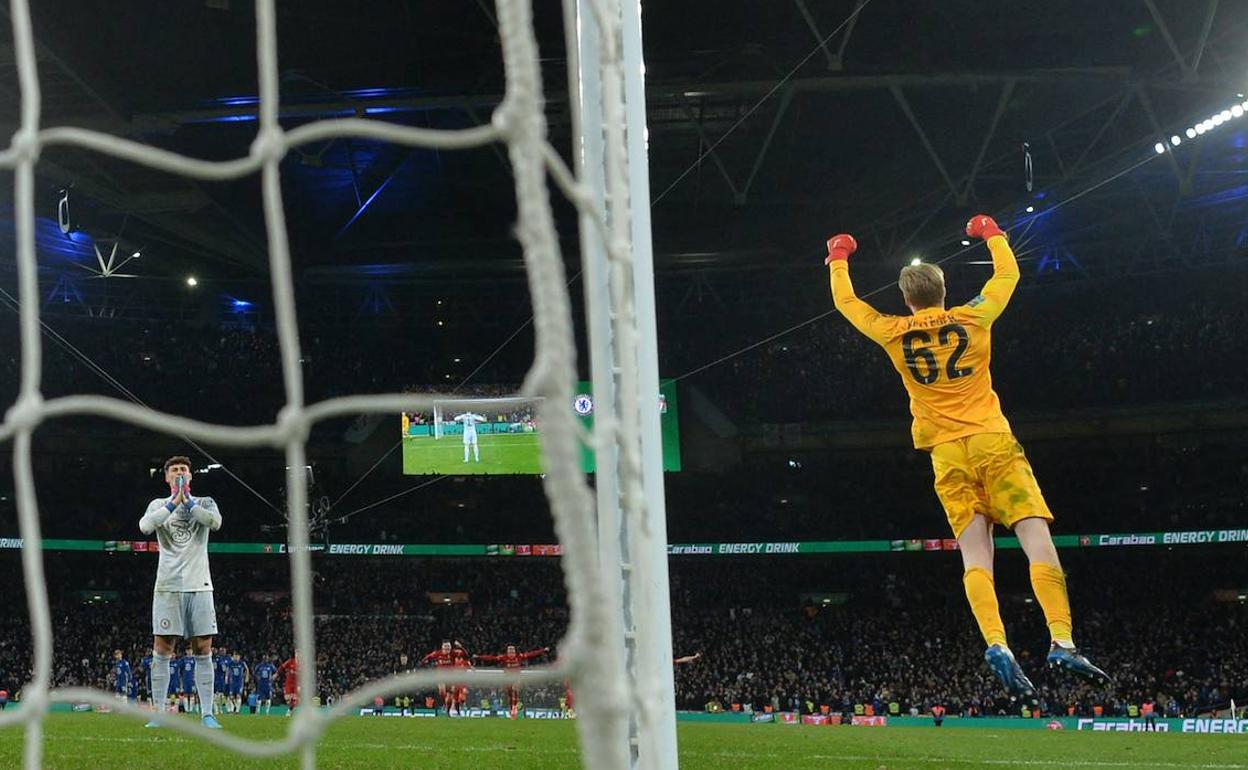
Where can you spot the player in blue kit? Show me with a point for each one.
(186, 673)
(220, 676)
(145, 679)
(237, 679)
(264, 673)
(121, 676)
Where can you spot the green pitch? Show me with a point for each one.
(518, 453)
(104, 741)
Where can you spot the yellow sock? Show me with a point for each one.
(981, 592)
(1049, 584)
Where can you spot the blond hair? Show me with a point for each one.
(922, 286)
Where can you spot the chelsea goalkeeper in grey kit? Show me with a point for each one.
(182, 604)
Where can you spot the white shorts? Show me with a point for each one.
(183, 613)
(470, 438)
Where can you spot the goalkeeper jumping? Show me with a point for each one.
(982, 476)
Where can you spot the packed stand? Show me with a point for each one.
(790, 633)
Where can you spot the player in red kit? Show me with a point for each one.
(449, 656)
(462, 660)
(290, 689)
(511, 660)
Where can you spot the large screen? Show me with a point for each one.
(486, 432)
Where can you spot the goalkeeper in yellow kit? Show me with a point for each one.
(982, 476)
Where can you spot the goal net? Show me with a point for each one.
(609, 706)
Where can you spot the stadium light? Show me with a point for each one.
(916, 262)
(965, 242)
(1200, 128)
(1159, 147)
(192, 281)
(1191, 133)
(1237, 111)
(136, 255)
(457, 360)
(1030, 209)
(1226, 115)
(1176, 140)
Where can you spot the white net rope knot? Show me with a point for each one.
(603, 692)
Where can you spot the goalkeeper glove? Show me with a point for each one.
(840, 247)
(983, 226)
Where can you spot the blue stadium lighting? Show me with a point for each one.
(373, 93)
(236, 101)
(240, 304)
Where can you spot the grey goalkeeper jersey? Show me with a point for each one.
(183, 539)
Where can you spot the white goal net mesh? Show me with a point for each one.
(603, 694)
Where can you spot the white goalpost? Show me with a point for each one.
(606, 77)
(617, 650)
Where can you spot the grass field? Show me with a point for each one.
(104, 741)
(500, 453)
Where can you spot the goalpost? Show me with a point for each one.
(617, 651)
(606, 79)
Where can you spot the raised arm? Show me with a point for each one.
(531, 654)
(488, 658)
(158, 512)
(864, 318)
(204, 509)
(1000, 287)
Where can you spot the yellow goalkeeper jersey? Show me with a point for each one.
(942, 355)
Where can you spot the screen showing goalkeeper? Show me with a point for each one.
(470, 420)
(982, 476)
(182, 605)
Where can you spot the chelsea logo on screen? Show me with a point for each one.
(583, 404)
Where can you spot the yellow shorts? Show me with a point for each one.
(986, 474)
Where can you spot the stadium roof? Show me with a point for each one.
(771, 125)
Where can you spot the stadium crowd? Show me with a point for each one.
(1051, 351)
(1134, 344)
(1129, 484)
(788, 633)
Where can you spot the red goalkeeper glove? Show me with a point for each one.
(983, 226)
(840, 247)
